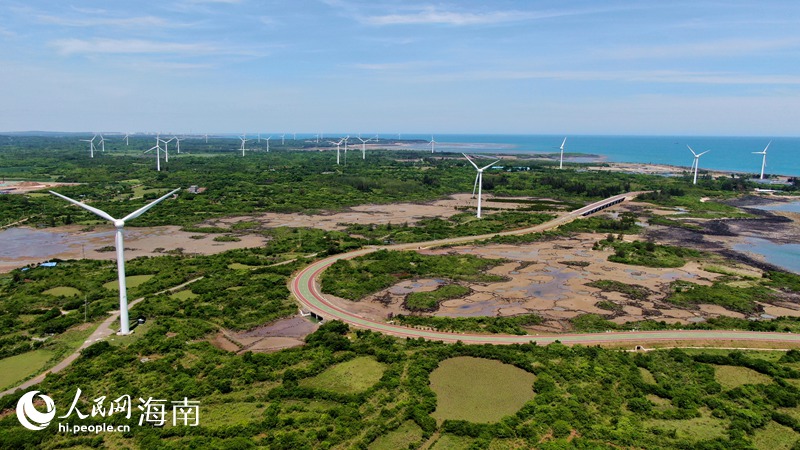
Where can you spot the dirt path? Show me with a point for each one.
(102, 332)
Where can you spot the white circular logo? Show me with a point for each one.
(30, 417)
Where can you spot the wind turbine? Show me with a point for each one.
(337, 144)
(91, 145)
(244, 141)
(102, 143)
(696, 162)
(561, 161)
(283, 139)
(364, 147)
(166, 148)
(178, 142)
(157, 148)
(119, 224)
(433, 147)
(763, 159)
(126, 138)
(478, 179)
(345, 148)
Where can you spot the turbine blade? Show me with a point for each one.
(475, 186)
(94, 210)
(470, 161)
(562, 144)
(143, 209)
(690, 149)
(490, 165)
(701, 154)
(765, 148)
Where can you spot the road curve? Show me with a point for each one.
(306, 289)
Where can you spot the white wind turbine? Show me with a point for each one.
(270, 137)
(763, 159)
(126, 138)
(244, 141)
(166, 148)
(337, 144)
(283, 139)
(102, 143)
(364, 147)
(479, 180)
(91, 145)
(119, 224)
(696, 162)
(157, 148)
(433, 146)
(345, 148)
(561, 161)
(178, 142)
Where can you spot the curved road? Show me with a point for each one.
(306, 289)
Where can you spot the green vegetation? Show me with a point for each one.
(408, 435)
(479, 390)
(740, 299)
(15, 369)
(626, 223)
(730, 377)
(131, 281)
(354, 279)
(429, 301)
(632, 291)
(646, 254)
(62, 291)
(351, 377)
(481, 324)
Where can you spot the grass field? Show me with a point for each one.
(479, 390)
(734, 376)
(450, 442)
(240, 266)
(408, 432)
(647, 376)
(350, 377)
(700, 428)
(16, 368)
(184, 294)
(226, 414)
(62, 291)
(775, 436)
(131, 282)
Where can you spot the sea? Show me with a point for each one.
(726, 153)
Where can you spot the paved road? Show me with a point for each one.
(102, 332)
(306, 289)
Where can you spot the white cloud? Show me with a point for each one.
(718, 48)
(143, 21)
(128, 46)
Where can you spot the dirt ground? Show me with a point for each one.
(284, 333)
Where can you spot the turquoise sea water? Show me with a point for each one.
(726, 153)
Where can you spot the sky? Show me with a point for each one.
(700, 67)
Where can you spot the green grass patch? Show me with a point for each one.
(741, 299)
(696, 429)
(452, 442)
(647, 376)
(604, 224)
(226, 238)
(429, 301)
(184, 294)
(240, 266)
(479, 390)
(350, 377)
(482, 324)
(62, 291)
(632, 291)
(647, 254)
(731, 377)
(409, 432)
(130, 281)
(230, 413)
(667, 222)
(14, 369)
(354, 279)
(775, 436)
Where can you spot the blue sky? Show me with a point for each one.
(351, 66)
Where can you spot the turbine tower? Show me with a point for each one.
(118, 240)
(478, 179)
(561, 161)
(337, 144)
(178, 142)
(91, 145)
(696, 162)
(166, 148)
(283, 139)
(102, 143)
(157, 148)
(270, 137)
(433, 147)
(244, 141)
(763, 159)
(364, 147)
(126, 138)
